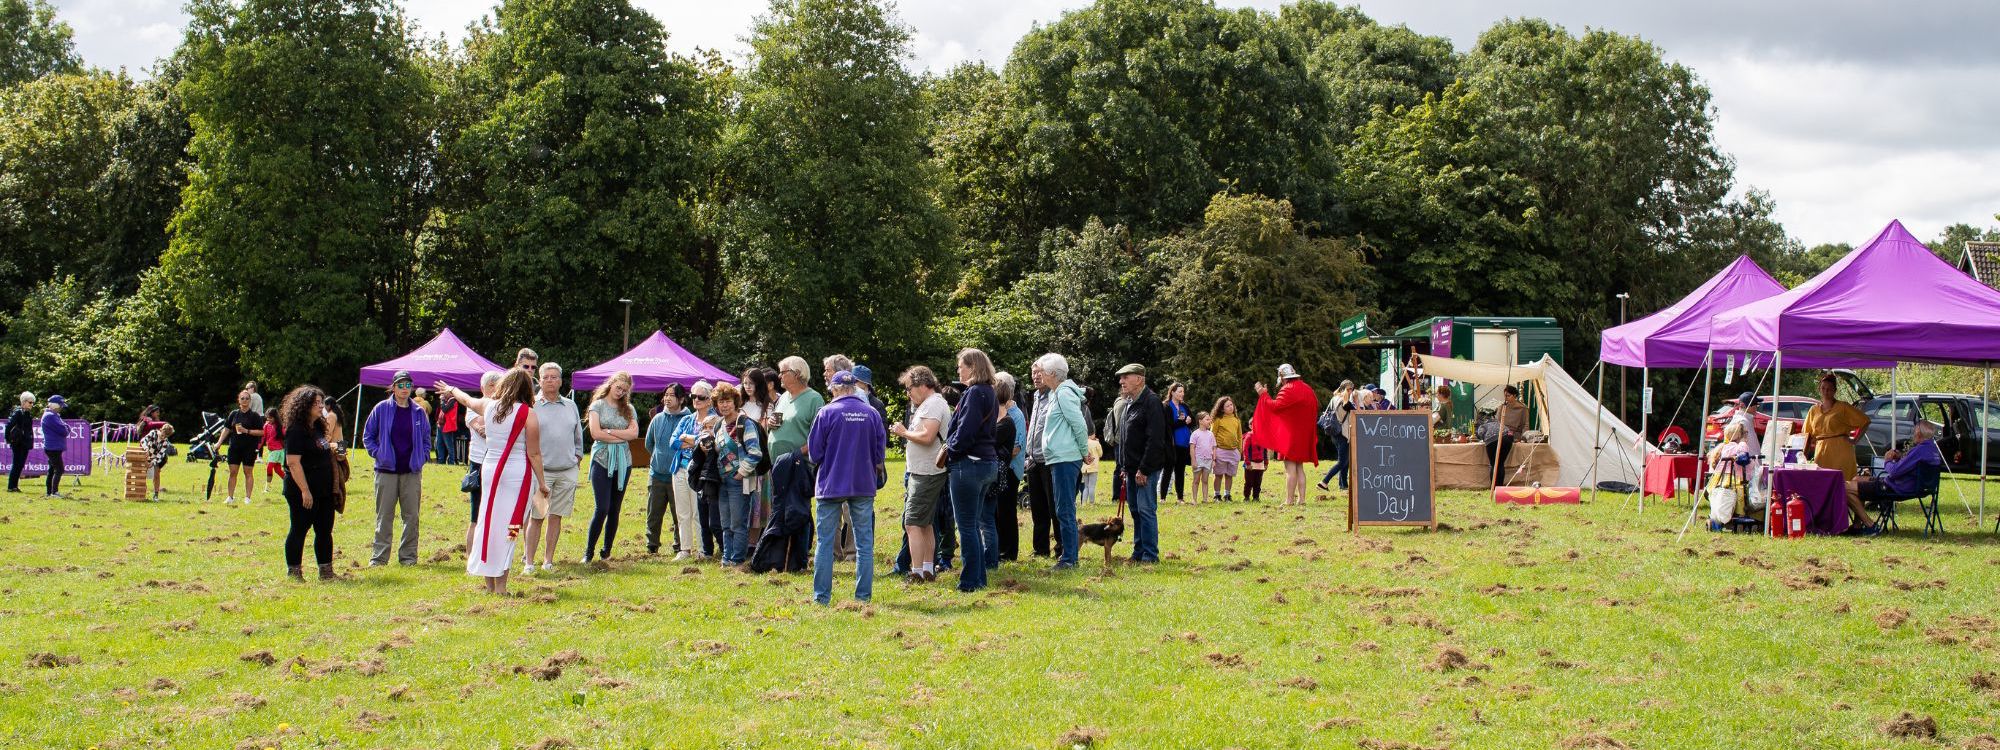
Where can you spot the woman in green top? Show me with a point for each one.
(613, 425)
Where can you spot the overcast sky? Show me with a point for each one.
(1849, 113)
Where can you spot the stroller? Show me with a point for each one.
(203, 446)
(787, 542)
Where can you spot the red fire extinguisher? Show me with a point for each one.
(1795, 517)
(1774, 519)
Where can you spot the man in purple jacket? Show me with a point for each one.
(846, 446)
(398, 435)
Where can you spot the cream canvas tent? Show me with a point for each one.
(1578, 428)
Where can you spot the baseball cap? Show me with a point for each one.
(59, 401)
(402, 376)
(863, 374)
(1285, 372)
(844, 379)
(1747, 399)
(1132, 369)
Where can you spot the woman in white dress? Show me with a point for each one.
(511, 475)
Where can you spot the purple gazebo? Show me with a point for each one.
(653, 364)
(443, 358)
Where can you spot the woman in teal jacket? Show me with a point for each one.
(1065, 440)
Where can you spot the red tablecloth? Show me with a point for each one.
(1663, 469)
(1824, 492)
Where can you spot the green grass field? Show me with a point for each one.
(171, 625)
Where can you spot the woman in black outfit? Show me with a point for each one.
(309, 480)
(1003, 501)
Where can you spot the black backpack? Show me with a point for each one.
(20, 427)
(763, 457)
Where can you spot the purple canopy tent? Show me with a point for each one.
(1891, 299)
(653, 364)
(1677, 336)
(443, 358)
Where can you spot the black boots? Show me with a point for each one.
(326, 572)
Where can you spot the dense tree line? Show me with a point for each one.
(305, 186)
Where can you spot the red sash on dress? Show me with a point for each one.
(493, 485)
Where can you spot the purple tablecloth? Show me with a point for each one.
(1824, 492)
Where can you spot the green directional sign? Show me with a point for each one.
(1353, 329)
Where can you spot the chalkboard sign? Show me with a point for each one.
(1390, 456)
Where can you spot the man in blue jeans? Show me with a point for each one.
(846, 444)
(1142, 453)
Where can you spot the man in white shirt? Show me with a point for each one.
(562, 453)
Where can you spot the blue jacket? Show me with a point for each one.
(375, 435)
(663, 441)
(846, 444)
(1020, 462)
(55, 433)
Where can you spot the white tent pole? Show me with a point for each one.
(1771, 430)
(1701, 414)
(1597, 443)
(1894, 417)
(1645, 441)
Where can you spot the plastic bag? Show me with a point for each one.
(1721, 504)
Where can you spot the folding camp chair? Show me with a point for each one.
(1927, 501)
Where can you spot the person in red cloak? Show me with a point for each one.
(1288, 422)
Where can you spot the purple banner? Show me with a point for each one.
(1441, 338)
(75, 453)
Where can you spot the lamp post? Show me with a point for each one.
(628, 321)
(1622, 296)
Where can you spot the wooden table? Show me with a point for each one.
(1665, 470)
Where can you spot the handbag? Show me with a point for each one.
(641, 458)
(470, 482)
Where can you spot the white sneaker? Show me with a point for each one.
(528, 570)
(548, 567)
(228, 500)
(682, 555)
(246, 499)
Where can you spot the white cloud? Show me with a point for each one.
(1849, 114)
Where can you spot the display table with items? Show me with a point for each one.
(1464, 466)
(1664, 472)
(1824, 492)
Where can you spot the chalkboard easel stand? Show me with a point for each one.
(1411, 427)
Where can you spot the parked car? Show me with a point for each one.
(1785, 409)
(1962, 426)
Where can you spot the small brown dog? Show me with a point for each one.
(1106, 533)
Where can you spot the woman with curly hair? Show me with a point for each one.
(309, 480)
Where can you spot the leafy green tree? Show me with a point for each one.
(111, 353)
(1248, 290)
(1363, 64)
(293, 239)
(1090, 303)
(1950, 243)
(832, 236)
(33, 43)
(140, 186)
(1136, 111)
(578, 151)
(57, 135)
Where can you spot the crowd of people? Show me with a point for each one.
(769, 474)
(766, 473)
